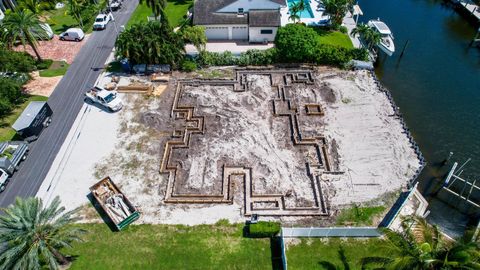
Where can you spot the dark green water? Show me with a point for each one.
(436, 83)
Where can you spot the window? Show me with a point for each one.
(240, 11)
(266, 31)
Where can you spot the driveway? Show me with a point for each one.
(65, 101)
(236, 47)
(56, 49)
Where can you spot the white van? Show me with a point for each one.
(75, 34)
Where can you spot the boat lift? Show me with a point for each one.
(463, 192)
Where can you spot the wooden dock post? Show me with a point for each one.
(404, 47)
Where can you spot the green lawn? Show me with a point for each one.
(175, 11)
(170, 247)
(359, 216)
(57, 68)
(6, 132)
(334, 38)
(310, 252)
(59, 21)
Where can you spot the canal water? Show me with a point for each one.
(436, 84)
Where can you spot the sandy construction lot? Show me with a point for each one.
(287, 147)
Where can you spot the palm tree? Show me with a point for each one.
(74, 9)
(25, 26)
(295, 10)
(421, 246)
(155, 5)
(367, 34)
(337, 9)
(32, 5)
(31, 235)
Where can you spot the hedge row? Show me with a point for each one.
(264, 229)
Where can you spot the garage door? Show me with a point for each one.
(216, 32)
(240, 33)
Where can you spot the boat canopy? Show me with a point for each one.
(381, 27)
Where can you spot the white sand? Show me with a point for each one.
(374, 153)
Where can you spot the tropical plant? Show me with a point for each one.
(25, 26)
(421, 246)
(296, 43)
(156, 5)
(337, 9)
(367, 34)
(33, 5)
(74, 9)
(196, 36)
(32, 235)
(295, 9)
(150, 43)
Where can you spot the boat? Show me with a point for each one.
(386, 43)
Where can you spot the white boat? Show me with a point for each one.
(386, 43)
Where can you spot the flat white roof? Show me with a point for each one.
(381, 27)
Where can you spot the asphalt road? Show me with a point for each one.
(66, 102)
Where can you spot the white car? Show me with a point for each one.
(102, 20)
(108, 99)
(72, 34)
(3, 180)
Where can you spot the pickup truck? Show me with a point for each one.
(11, 154)
(114, 203)
(102, 20)
(108, 99)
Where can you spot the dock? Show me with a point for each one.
(470, 8)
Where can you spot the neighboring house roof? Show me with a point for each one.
(280, 2)
(205, 13)
(264, 18)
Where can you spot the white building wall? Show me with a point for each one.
(256, 36)
(250, 4)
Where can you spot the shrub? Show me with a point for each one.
(10, 95)
(296, 43)
(264, 229)
(188, 65)
(44, 64)
(359, 54)
(16, 61)
(257, 57)
(10, 90)
(343, 29)
(216, 59)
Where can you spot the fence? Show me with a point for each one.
(331, 232)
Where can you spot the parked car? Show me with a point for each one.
(115, 4)
(4, 179)
(108, 99)
(73, 34)
(102, 20)
(11, 154)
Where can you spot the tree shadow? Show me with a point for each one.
(180, 2)
(276, 253)
(330, 266)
